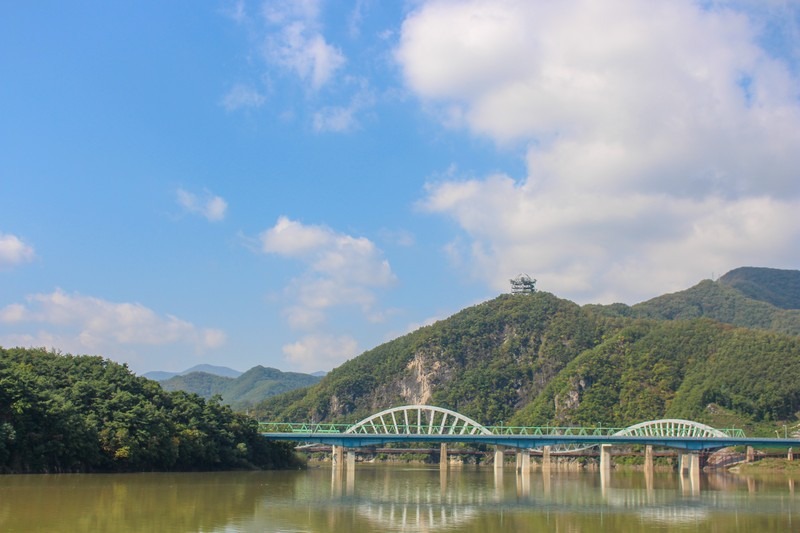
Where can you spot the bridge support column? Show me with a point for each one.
(790, 455)
(694, 464)
(337, 456)
(351, 459)
(523, 457)
(683, 462)
(751, 454)
(546, 458)
(605, 458)
(499, 457)
(648, 459)
(443, 460)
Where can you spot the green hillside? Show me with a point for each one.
(780, 288)
(744, 297)
(674, 369)
(486, 361)
(538, 359)
(244, 391)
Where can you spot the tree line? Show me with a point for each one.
(65, 413)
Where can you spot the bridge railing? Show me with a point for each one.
(415, 429)
(301, 427)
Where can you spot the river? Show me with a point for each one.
(397, 498)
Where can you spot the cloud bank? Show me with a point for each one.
(662, 142)
(85, 324)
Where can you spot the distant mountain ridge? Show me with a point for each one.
(242, 391)
(780, 288)
(224, 371)
(744, 297)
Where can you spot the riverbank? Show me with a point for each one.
(770, 465)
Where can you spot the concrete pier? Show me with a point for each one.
(605, 458)
(443, 460)
(546, 459)
(523, 460)
(337, 456)
(499, 457)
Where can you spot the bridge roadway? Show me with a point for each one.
(355, 440)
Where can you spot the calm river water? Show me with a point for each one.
(397, 498)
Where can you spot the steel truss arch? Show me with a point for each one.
(418, 420)
(671, 427)
(667, 427)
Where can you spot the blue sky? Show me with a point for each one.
(292, 183)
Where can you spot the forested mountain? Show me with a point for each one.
(780, 288)
(762, 298)
(64, 413)
(244, 391)
(538, 359)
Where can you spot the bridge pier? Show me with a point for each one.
(499, 457)
(337, 456)
(523, 460)
(443, 460)
(605, 458)
(689, 463)
(546, 458)
(790, 455)
(351, 459)
(751, 454)
(648, 459)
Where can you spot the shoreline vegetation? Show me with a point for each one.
(61, 413)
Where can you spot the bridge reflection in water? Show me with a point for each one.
(392, 498)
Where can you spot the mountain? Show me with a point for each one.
(224, 371)
(743, 297)
(242, 391)
(780, 288)
(708, 352)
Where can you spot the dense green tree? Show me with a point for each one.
(64, 413)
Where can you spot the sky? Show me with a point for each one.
(291, 183)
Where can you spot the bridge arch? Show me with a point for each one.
(418, 420)
(667, 427)
(671, 427)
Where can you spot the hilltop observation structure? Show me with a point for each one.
(523, 284)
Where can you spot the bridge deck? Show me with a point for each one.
(532, 441)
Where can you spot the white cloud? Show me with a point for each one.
(210, 206)
(344, 118)
(663, 142)
(83, 323)
(241, 96)
(14, 251)
(298, 45)
(320, 352)
(339, 269)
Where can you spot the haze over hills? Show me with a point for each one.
(242, 391)
(720, 352)
(223, 371)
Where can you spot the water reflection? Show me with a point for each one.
(397, 498)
